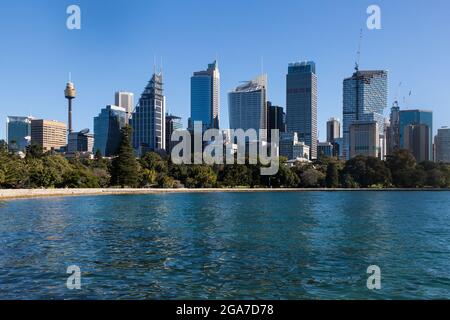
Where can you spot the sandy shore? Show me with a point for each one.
(41, 193)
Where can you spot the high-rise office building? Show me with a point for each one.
(107, 126)
(301, 103)
(416, 139)
(18, 133)
(148, 119)
(364, 139)
(80, 142)
(416, 117)
(393, 131)
(442, 145)
(364, 99)
(172, 123)
(247, 105)
(205, 96)
(125, 100)
(333, 129)
(49, 134)
(275, 119)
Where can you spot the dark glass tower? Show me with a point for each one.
(301, 103)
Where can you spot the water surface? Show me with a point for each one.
(305, 245)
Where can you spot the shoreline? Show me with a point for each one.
(11, 194)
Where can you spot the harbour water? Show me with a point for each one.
(293, 245)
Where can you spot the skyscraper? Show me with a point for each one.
(442, 144)
(333, 129)
(125, 100)
(416, 117)
(364, 99)
(148, 119)
(275, 119)
(393, 131)
(247, 105)
(172, 123)
(416, 139)
(18, 133)
(205, 96)
(107, 126)
(49, 134)
(301, 103)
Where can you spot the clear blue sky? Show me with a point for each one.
(116, 46)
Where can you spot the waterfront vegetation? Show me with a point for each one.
(51, 170)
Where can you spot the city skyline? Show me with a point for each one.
(94, 63)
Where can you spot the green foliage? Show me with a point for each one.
(34, 151)
(125, 168)
(332, 177)
(201, 176)
(367, 171)
(39, 170)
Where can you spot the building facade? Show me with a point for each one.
(325, 149)
(49, 134)
(416, 139)
(148, 119)
(172, 123)
(393, 130)
(364, 99)
(417, 117)
(80, 142)
(18, 133)
(247, 105)
(125, 100)
(275, 119)
(205, 96)
(107, 130)
(442, 145)
(301, 103)
(364, 139)
(291, 148)
(333, 129)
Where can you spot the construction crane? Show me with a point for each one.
(358, 53)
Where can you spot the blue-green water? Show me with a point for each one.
(313, 245)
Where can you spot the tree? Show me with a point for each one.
(34, 151)
(3, 146)
(125, 166)
(332, 177)
(235, 175)
(402, 165)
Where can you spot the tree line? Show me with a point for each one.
(50, 170)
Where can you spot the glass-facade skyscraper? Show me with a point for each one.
(107, 126)
(364, 99)
(205, 96)
(148, 119)
(417, 117)
(18, 133)
(247, 105)
(301, 103)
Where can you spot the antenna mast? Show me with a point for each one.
(358, 53)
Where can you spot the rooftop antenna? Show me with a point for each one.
(358, 53)
(397, 93)
(154, 64)
(70, 76)
(161, 67)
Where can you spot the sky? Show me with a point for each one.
(119, 40)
